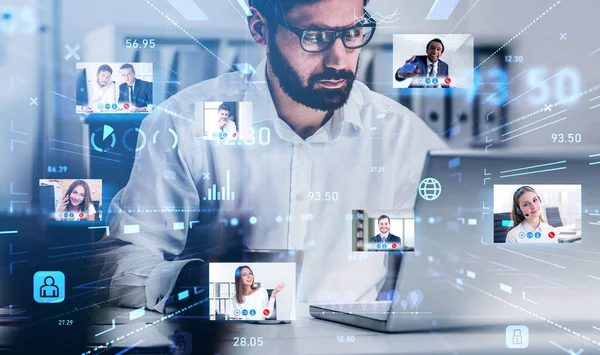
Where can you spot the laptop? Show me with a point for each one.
(457, 276)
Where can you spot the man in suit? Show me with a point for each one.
(426, 66)
(136, 94)
(384, 235)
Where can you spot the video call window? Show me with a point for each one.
(114, 87)
(71, 200)
(537, 213)
(252, 291)
(223, 120)
(433, 61)
(383, 230)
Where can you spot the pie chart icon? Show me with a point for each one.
(106, 144)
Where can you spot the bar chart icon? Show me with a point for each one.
(213, 194)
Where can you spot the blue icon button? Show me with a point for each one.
(538, 234)
(427, 81)
(530, 235)
(224, 135)
(71, 214)
(420, 81)
(517, 337)
(114, 106)
(384, 246)
(435, 80)
(378, 246)
(220, 135)
(522, 235)
(66, 215)
(252, 312)
(107, 106)
(100, 106)
(245, 312)
(236, 312)
(49, 287)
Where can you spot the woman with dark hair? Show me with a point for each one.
(253, 300)
(528, 223)
(77, 204)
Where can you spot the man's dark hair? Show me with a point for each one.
(271, 9)
(383, 217)
(105, 67)
(435, 40)
(127, 66)
(224, 107)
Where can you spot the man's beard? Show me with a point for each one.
(318, 99)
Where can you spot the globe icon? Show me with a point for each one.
(430, 189)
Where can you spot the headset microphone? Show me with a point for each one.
(526, 214)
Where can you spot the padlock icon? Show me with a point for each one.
(517, 338)
(180, 344)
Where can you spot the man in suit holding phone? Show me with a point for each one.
(135, 93)
(384, 235)
(426, 66)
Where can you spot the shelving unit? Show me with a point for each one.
(358, 216)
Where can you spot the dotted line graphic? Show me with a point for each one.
(189, 35)
(517, 35)
(134, 332)
(540, 318)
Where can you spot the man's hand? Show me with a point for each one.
(222, 123)
(132, 108)
(86, 109)
(278, 289)
(400, 75)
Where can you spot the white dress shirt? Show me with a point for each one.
(524, 233)
(130, 91)
(258, 301)
(229, 128)
(272, 176)
(435, 68)
(103, 95)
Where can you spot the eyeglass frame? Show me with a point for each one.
(300, 32)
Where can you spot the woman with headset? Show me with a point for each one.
(249, 301)
(528, 223)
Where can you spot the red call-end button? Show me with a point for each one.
(81, 214)
(266, 312)
(394, 245)
(126, 106)
(551, 234)
(234, 135)
(447, 80)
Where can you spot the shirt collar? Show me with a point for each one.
(435, 65)
(103, 87)
(345, 121)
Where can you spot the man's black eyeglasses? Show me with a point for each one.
(319, 40)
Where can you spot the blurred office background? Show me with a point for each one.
(529, 56)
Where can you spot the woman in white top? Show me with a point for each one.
(77, 204)
(251, 302)
(529, 225)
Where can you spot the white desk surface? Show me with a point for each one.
(308, 335)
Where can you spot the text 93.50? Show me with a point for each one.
(326, 196)
(566, 138)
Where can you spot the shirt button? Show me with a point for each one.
(299, 197)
